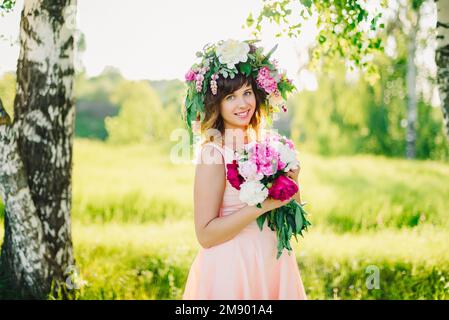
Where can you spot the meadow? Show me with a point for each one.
(133, 232)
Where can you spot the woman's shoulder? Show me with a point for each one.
(210, 153)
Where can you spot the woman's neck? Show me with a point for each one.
(235, 139)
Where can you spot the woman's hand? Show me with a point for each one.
(271, 204)
(293, 174)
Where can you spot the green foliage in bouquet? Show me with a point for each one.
(289, 220)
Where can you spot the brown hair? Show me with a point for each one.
(226, 86)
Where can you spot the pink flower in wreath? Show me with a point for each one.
(265, 80)
(190, 75)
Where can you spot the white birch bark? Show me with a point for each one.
(36, 160)
(442, 59)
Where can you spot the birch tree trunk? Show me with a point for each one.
(410, 150)
(36, 154)
(442, 59)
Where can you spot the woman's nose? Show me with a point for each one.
(243, 101)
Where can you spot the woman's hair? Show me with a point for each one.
(226, 86)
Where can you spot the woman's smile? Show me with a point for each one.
(242, 115)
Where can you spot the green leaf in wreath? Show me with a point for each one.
(245, 68)
(224, 73)
(267, 57)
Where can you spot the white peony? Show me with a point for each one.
(287, 156)
(231, 52)
(253, 192)
(249, 147)
(248, 170)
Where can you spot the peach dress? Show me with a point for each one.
(244, 267)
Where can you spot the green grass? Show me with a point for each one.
(133, 231)
(358, 193)
(151, 261)
(129, 184)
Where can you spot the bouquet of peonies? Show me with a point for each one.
(260, 171)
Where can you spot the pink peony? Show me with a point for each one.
(266, 159)
(233, 176)
(281, 165)
(265, 81)
(283, 188)
(190, 75)
(289, 143)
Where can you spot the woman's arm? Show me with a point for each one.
(210, 183)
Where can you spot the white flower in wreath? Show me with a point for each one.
(231, 52)
(275, 99)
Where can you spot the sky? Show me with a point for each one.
(158, 39)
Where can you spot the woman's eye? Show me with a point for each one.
(229, 97)
(248, 93)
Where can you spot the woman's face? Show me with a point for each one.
(238, 108)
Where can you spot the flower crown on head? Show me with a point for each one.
(226, 59)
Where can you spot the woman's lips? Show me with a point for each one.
(242, 115)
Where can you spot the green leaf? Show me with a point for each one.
(289, 233)
(245, 68)
(296, 238)
(188, 103)
(321, 39)
(270, 53)
(279, 254)
(291, 221)
(250, 20)
(280, 245)
(224, 73)
(306, 3)
(279, 218)
(298, 220)
(260, 220)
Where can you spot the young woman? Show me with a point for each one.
(236, 259)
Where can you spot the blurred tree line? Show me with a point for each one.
(111, 108)
(347, 116)
(395, 115)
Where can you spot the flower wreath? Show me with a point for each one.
(226, 59)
